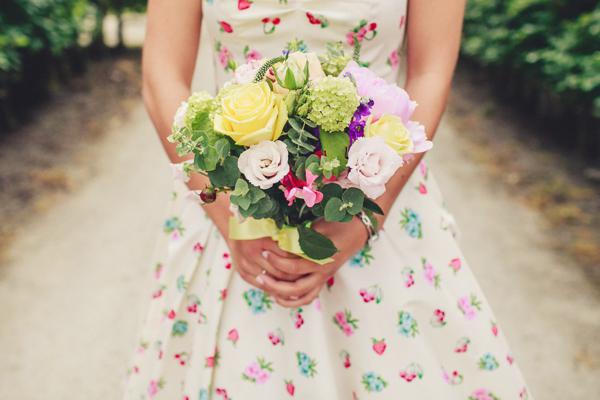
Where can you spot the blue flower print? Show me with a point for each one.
(407, 325)
(179, 328)
(362, 257)
(373, 382)
(257, 300)
(488, 362)
(203, 394)
(306, 365)
(411, 223)
(172, 224)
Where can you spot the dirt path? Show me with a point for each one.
(72, 291)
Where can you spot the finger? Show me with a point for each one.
(302, 301)
(295, 289)
(272, 246)
(263, 264)
(292, 266)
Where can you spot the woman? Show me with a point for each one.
(246, 320)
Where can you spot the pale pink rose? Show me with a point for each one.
(153, 388)
(265, 163)
(364, 77)
(179, 174)
(223, 59)
(394, 59)
(372, 163)
(252, 370)
(263, 377)
(340, 318)
(253, 55)
(348, 330)
(245, 73)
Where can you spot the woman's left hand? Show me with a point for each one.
(348, 238)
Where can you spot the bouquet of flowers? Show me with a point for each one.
(296, 138)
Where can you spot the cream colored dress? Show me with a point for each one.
(404, 319)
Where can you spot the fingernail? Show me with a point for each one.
(265, 254)
(293, 297)
(260, 280)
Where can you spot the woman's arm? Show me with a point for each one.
(433, 39)
(168, 63)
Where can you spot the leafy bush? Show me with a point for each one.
(556, 42)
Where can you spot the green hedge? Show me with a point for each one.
(553, 43)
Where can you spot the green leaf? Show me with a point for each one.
(295, 125)
(318, 210)
(314, 168)
(241, 188)
(301, 172)
(312, 159)
(372, 206)
(222, 148)
(289, 80)
(248, 213)
(334, 210)
(243, 202)
(330, 191)
(347, 218)
(334, 145)
(225, 175)
(354, 198)
(314, 244)
(255, 194)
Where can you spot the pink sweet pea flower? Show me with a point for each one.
(310, 196)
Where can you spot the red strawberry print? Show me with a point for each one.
(210, 361)
(225, 27)
(244, 4)
(494, 328)
(223, 294)
(171, 314)
(422, 188)
(289, 386)
(379, 346)
(330, 282)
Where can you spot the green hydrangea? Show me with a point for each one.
(198, 102)
(222, 93)
(332, 103)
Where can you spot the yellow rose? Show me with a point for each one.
(251, 113)
(393, 130)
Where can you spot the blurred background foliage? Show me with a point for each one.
(544, 55)
(44, 42)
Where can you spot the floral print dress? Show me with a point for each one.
(402, 319)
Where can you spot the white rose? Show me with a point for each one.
(264, 163)
(372, 163)
(179, 120)
(245, 73)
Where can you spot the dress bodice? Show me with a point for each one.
(257, 29)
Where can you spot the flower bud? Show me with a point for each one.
(208, 195)
(290, 102)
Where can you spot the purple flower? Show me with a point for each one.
(356, 129)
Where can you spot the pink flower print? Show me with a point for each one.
(252, 370)
(175, 235)
(348, 330)
(455, 264)
(430, 274)
(158, 270)
(153, 388)
(423, 167)
(157, 294)
(263, 377)
(470, 313)
(223, 56)
(482, 394)
(253, 55)
(223, 294)
(394, 59)
(233, 336)
(446, 377)
(274, 338)
(340, 318)
(464, 302)
(136, 369)
(299, 321)
(222, 393)
(509, 359)
(198, 248)
(317, 303)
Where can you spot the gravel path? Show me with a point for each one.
(72, 292)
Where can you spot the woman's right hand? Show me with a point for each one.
(248, 259)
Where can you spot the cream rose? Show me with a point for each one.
(395, 133)
(265, 163)
(372, 163)
(251, 113)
